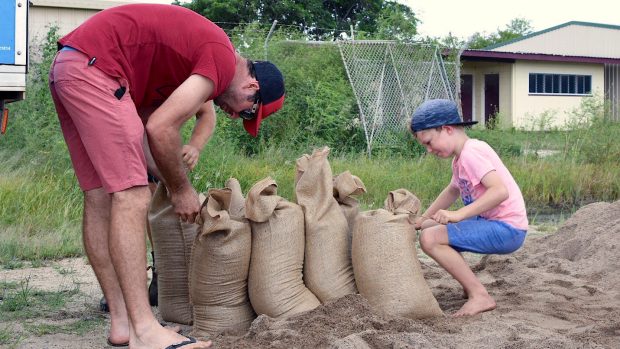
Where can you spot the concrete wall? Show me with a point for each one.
(529, 110)
(66, 19)
(67, 15)
(519, 108)
(479, 70)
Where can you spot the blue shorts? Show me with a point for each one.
(480, 235)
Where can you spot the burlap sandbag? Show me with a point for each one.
(385, 260)
(172, 244)
(327, 268)
(275, 282)
(346, 186)
(220, 263)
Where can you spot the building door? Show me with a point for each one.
(467, 82)
(491, 97)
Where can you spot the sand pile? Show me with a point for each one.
(559, 291)
(590, 241)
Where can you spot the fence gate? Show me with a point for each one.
(390, 80)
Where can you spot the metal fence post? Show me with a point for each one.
(273, 26)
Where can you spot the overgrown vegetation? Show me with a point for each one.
(40, 202)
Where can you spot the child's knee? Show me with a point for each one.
(433, 236)
(427, 240)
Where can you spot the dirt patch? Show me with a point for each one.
(558, 291)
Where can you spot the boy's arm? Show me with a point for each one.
(203, 129)
(445, 199)
(495, 194)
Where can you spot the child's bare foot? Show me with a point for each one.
(476, 305)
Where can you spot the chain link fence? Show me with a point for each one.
(390, 79)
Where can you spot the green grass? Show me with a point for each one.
(63, 271)
(78, 326)
(40, 213)
(8, 285)
(22, 301)
(9, 337)
(13, 264)
(42, 312)
(41, 209)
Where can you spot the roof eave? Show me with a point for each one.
(579, 23)
(79, 4)
(503, 56)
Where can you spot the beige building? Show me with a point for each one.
(537, 81)
(68, 14)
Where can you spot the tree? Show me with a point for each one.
(396, 21)
(518, 27)
(227, 13)
(320, 19)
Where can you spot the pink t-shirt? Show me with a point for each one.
(477, 159)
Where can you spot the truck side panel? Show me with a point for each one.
(7, 32)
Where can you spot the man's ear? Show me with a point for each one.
(252, 84)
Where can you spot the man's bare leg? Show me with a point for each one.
(96, 227)
(434, 242)
(128, 252)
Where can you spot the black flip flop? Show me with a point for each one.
(103, 305)
(190, 340)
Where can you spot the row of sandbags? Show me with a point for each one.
(265, 255)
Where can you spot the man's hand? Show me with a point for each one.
(190, 156)
(445, 217)
(186, 204)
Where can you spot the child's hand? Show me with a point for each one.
(445, 217)
(417, 224)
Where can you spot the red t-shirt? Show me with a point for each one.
(155, 48)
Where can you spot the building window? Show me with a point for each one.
(560, 84)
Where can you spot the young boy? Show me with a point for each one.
(493, 219)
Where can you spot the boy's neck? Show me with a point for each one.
(460, 138)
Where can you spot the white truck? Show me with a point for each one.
(13, 54)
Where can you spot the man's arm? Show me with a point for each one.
(203, 129)
(163, 131)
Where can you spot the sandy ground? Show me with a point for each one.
(559, 291)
